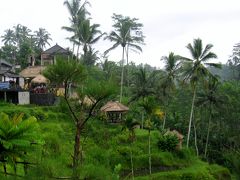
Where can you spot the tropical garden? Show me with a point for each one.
(73, 139)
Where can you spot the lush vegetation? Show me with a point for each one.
(74, 139)
(105, 151)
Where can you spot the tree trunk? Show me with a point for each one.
(149, 152)
(76, 156)
(191, 115)
(77, 52)
(73, 50)
(127, 67)
(132, 156)
(208, 130)
(5, 169)
(121, 90)
(164, 119)
(195, 137)
(142, 119)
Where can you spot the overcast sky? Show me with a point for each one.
(169, 25)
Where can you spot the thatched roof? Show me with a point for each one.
(175, 132)
(32, 71)
(114, 107)
(40, 79)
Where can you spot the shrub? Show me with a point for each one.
(167, 142)
(91, 171)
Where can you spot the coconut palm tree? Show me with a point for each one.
(78, 13)
(130, 124)
(172, 66)
(210, 99)
(196, 71)
(143, 84)
(9, 37)
(88, 35)
(42, 38)
(122, 36)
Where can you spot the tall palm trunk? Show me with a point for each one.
(142, 119)
(164, 119)
(121, 90)
(78, 51)
(191, 116)
(195, 137)
(73, 50)
(149, 152)
(208, 130)
(127, 65)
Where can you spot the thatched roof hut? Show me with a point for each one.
(40, 79)
(114, 111)
(114, 107)
(32, 71)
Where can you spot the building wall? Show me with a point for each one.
(23, 97)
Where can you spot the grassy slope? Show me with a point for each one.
(105, 148)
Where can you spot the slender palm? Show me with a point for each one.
(78, 13)
(210, 99)
(143, 84)
(9, 37)
(42, 38)
(196, 70)
(121, 36)
(130, 124)
(172, 66)
(88, 34)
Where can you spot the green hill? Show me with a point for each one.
(105, 151)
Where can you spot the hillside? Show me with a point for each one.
(105, 151)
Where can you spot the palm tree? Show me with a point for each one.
(172, 66)
(143, 84)
(42, 38)
(130, 124)
(150, 107)
(210, 99)
(78, 13)
(196, 70)
(9, 37)
(121, 36)
(88, 35)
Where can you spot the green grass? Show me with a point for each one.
(104, 147)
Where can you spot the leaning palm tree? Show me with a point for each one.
(196, 71)
(172, 66)
(121, 36)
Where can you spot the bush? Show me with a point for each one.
(219, 172)
(167, 142)
(91, 171)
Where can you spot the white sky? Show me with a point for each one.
(169, 25)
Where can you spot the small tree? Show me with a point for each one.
(17, 137)
(67, 73)
(130, 124)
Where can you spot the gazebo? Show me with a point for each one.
(40, 79)
(114, 111)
